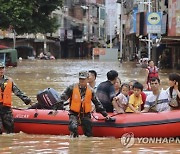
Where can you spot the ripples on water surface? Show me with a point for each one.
(33, 76)
(24, 143)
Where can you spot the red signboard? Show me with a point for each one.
(99, 51)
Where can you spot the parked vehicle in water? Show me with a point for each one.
(25, 52)
(9, 57)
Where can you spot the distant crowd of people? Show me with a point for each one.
(46, 56)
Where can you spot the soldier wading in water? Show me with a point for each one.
(80, 96)
(7, 87)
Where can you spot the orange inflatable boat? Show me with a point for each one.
(164, 124)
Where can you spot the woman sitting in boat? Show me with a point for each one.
(120, 102)
(174, 91)
(158, 100)
(135, 100)
(117, 86)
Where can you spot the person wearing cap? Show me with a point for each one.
(80, 95)
(7, 87)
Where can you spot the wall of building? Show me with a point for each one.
(168, 33)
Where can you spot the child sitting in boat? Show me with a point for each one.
(120, 102)
(135, 100)
(143, 94)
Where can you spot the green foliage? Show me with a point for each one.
(29, 16)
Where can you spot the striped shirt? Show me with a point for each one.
(162, 103)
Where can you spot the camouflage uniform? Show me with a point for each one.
(6, 117)
(81, 118)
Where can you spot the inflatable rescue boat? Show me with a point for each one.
(37, 121)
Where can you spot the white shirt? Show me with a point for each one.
(95, 87)
(123, 100)
(174, 94)
(163, 101)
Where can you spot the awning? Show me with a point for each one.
(171, 38)
(42, 40)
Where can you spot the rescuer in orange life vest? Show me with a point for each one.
(81, 95)
(7, 86)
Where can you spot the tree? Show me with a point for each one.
(29, 16)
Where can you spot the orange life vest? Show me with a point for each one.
(77, 103)
(6, 95)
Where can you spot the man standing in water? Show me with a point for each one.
(81, 96)
(7, 86)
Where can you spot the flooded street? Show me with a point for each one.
(33, 76)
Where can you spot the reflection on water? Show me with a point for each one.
(33, 76)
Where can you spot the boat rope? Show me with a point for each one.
(104, 117)
(19, 108)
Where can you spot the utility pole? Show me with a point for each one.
(99, 28)
(121, 33)
(148, 3)
(45, 43)
(121, 26)
(14, 38)
(110, 30)
(149, 34)
(88, 21)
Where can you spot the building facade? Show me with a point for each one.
(81, 27)
(163, 41)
